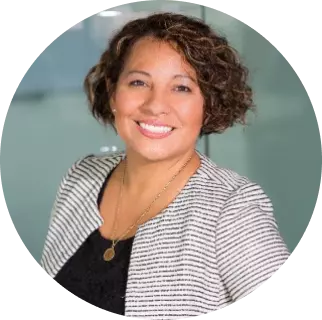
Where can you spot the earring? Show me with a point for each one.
(114, 110)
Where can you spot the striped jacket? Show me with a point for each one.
(215, 243)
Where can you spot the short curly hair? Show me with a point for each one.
(222, 77)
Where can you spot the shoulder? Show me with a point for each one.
(243, 195)
(227, 179)
(88, 171)
(92, 165)
(84, 177)
(240, 191)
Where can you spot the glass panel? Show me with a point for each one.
(281, 148)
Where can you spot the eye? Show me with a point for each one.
(137, 83)
(182, 89)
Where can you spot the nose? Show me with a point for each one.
(156, 103)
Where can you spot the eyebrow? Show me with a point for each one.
(148, 75)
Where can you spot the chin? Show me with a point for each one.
(155, 153)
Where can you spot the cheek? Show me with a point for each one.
(192, 114)
(127, 103)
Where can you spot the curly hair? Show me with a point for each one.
(221, 76)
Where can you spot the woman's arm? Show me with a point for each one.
(249, 246)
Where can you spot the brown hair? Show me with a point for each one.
(221, 76)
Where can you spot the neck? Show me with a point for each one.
(142, 174)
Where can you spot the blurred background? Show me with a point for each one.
(48, 125)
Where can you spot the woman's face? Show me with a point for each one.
(158, 103)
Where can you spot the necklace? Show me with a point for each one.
(110, 252)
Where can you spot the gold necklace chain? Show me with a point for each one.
(110, 252)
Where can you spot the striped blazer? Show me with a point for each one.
(215, 243)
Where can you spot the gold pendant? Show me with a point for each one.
(109, 254)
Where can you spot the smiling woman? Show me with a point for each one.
(160, 231)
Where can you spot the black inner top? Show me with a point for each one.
(94, 280)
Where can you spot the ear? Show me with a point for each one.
(112, 101)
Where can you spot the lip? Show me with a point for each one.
(154, 135)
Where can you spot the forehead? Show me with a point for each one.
(154, 53)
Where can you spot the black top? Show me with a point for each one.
(94, 280)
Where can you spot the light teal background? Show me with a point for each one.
(48, 125)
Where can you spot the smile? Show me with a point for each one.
(154, 131)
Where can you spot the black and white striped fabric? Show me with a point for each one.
(215, 243)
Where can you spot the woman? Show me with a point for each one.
(160, 231)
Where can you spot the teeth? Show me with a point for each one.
(155, 129)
